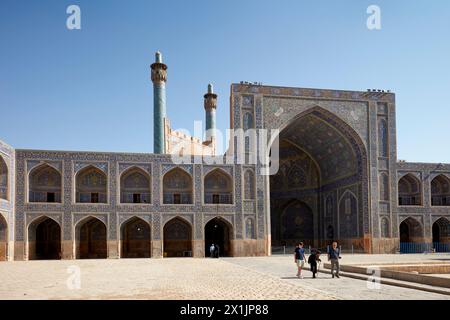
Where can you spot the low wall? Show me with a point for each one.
(396, 275)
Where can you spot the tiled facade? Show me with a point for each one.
(68, 214)
(365, 171)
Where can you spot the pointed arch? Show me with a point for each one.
(411, 230)
(3, 179)
(91, 185)
(340, 153)
(3, 238)
(218, 187)
(45, 184)
(249, 184)
(177, 187)
(409, 191)
(385, 227)
(44, 238)
(219, 232)
(440, 191)
(441, 234)
(177, 238)
(384, 187)
(135, 236)
(247, 121)
(348, 216)
(382, 138)
(91, 236)
(135, 186)
(250, 232)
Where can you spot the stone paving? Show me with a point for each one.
(255, 278)
(200, 279)
(284, 268)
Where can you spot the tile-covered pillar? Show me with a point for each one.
(68, 250)
(157, 244)
(198, 245)
(113, 243)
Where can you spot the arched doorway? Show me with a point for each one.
(3, 239)
(411, 236)
(136, 240)
(91, 238)
(44, 240)
(441, 235)
(219, 233)
(177, 238)
(322, 170)
(404, 232)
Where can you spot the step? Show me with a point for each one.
(393, 282)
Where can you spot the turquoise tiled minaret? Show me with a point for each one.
(159, 78)
(210, 104)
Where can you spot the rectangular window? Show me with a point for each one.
(177, 198)
(50, 197)
(216, 198)
(94, 197)
(136, 198)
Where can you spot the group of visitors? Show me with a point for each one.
(314, 261)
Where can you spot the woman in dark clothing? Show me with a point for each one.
(313, 260)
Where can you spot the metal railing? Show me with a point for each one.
(87, 197)
(219, 198)
(42, 196)
(441, 247)
(412, 247)
(324, 249)
(177, 198)
(289, 250)
(440, 201)
(3, 192)
(129, 197)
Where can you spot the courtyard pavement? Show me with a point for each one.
(284, 268)
(203, 279)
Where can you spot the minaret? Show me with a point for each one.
(210, 104)
(159, 77)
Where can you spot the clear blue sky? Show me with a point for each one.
(90, 89)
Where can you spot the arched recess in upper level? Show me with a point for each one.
(177, 187)
(440, 191)
(44, 184)
(409, 191)
(91, 186)
(218, 187)
(3, 179)
(135, 186)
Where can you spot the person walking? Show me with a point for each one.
(217, 252)
(334, 254)
(212, 250)
(299, 258)
(314, 260)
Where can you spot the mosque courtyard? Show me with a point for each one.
(249, 278)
